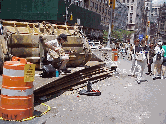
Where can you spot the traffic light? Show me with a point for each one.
(148, 23)
(146, 36)
(71, 17)
(112, 3)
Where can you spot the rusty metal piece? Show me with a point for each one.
(79, 77)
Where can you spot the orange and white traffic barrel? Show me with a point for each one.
(17, 99)
(115, 54)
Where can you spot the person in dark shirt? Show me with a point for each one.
(150, 56)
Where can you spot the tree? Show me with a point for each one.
(105, 35)
(127, 34)
(118, 35)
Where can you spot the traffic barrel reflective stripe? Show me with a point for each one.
(16, 95)
(13, 73)
(11, 92)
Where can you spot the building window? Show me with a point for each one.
(106, 3)
(91, 4)
(155, 9)
(131, 7)
(130, 19)
(96, 6)
(132, 1)
(106, 11)
(103, 1)
(128, 7)
(99, 8)
(147, 4)
(123, 1)
(109, 12)
(101, 18)
(103, 9)
(127, 1)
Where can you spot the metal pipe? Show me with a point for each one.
(110, 23)
(150, 21)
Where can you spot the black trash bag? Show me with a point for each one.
(48, 71)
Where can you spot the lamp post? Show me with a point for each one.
(109, 32)
(149, 19)
(67, 8)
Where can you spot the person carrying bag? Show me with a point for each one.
(140, 59)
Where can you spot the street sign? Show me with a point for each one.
(29, 72)
(140, 36)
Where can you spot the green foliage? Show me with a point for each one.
(117, 35)
(105, 35)
(121, 34)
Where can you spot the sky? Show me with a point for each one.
(158, 1)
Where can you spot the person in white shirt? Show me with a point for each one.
(55, 49)
(158, 59)
(133, 66)
(138, 62)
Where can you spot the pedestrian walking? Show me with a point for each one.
(133, 49)
(55, 51)
(157, 60)
(130, 52)
(140, 60)
(150, 56)
(164, 60)
(113, 46)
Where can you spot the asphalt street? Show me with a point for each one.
(122, 101)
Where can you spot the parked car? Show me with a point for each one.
(95, 45)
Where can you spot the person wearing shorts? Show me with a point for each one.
(158, 62)
(164, 60)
